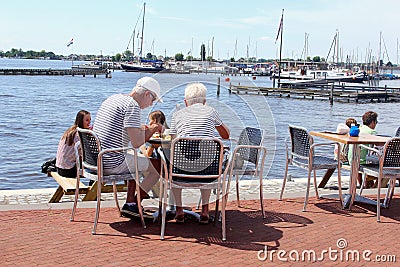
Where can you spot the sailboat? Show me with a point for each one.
(143, 65)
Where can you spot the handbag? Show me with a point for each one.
(49, 166)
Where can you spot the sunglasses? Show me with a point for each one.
(154, 97)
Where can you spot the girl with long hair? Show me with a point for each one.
(66, 160)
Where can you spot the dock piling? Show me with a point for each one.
(219, 86)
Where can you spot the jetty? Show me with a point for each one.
(331, 92)
(57, 72)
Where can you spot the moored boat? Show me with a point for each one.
(144, 66)
(328, 75)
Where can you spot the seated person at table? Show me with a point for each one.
(370, 120)
(155, 117)
(66, 160)
(118, 123)
(343, 128)
(196, 120)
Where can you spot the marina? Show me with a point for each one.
(37, 109)
(324, 91)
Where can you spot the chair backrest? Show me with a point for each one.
(391, 153)
(196, 157)
(397, 132)
(250, 136)
(300, 141)
(91, 146)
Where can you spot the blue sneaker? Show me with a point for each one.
(132, 211)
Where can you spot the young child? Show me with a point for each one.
(344, 149)
(156, 116)
(66, 160)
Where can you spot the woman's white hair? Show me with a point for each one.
(195, 93)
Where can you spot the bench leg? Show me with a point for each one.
(91, 195)
(326, 178)
(57, 195)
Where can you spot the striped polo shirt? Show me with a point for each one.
(196, 120)
(115, 114)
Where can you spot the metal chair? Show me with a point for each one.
(388, 167)
(91, 167)
(194, 163)
(245, 159)
(302, 154)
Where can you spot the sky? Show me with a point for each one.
(227, 28)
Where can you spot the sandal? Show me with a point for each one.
(204, 219)
(180, 219)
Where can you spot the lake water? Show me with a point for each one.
(36, 110)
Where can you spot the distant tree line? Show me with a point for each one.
(128, 55)
(18, 53)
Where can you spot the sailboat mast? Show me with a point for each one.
(141, 43)
(380, 51)
(280, 50)
(133, 43)
(337, 48)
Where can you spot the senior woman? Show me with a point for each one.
(196, 120)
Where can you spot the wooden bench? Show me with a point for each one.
(67, 187)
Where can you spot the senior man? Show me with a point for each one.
(196, 120)
(117, 123)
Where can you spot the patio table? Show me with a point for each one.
(355, 164)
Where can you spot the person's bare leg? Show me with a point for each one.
(205, 199)
(130, 195)
(178, 201)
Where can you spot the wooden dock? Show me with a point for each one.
(57, 72)
(340, 93)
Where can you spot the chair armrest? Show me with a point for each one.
(377, 151)
(315, 145)
(324, 144)
(117, 149)
(260, 148)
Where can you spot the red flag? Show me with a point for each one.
(280, 28)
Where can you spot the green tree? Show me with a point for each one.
(203, 52)
(128, 54)
(149, 56)
(209, 58)
(189, 58)
(232, 59)
(179, 57)
(118, 57)
(308, 59)
(316, 59)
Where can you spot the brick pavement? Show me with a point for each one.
(48, 238)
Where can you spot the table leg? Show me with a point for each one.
(355, 163)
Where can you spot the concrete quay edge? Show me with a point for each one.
(37, 199)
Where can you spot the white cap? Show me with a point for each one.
(152, 85)
(342, 128)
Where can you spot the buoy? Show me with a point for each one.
(227, 79)
(254, 77)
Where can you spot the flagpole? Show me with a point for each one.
(72, 62)
(280, 51)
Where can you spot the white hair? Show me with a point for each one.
(195, 93)
(139, 89)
